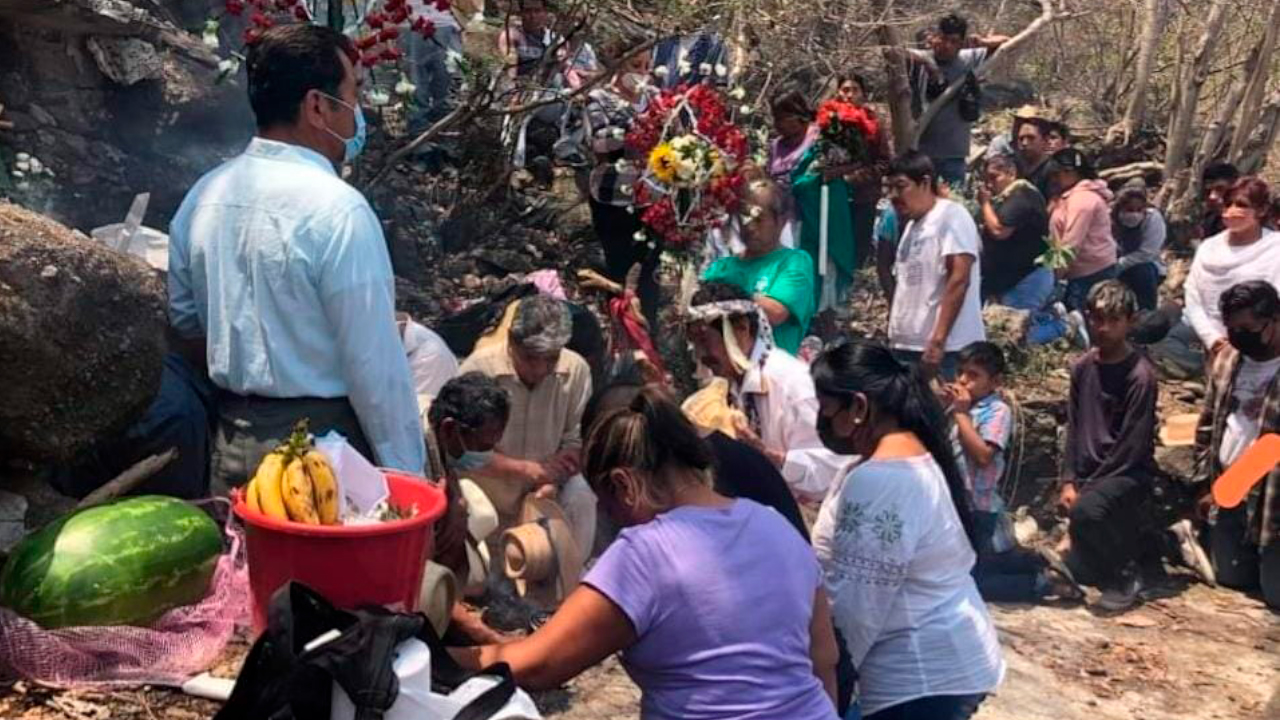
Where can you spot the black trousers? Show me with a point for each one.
(616, 229)
(1107, 526)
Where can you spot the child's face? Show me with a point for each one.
(1108, 330)
(977, 380)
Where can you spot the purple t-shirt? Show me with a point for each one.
(721, 600)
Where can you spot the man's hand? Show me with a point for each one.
(750, 437)
(961, 398)
(1067, 497)
(931, 359)
(565, 463)
(537, 474)
(984, 194)
(1217, 347)
(1204, 506)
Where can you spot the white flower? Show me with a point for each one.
(721, 70)
(22, 157)
(738, 93)
(756, 211)
(452, 61)
(685, 67)
(746, 110)
(624, 189)
(405, 87)
(619, 133)
(230, 66)
(22, 166)
(378, 97)
(639, 236)
(36, 166)
(19, 174)
(661, 71)
(210, 35)
(622, 165)
(704, 69)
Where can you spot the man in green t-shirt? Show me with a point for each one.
(781, 280)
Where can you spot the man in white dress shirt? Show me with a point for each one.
(280, 269)
(732, 338)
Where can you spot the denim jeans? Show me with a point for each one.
(950, 362)
(1238, 562)
(1078, 288)
(1144, 280)
(1032, 292)
(951, 171)
(429, 72)
(934, 707)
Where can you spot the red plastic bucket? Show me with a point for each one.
(378, 564)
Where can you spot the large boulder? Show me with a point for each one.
(82, 338)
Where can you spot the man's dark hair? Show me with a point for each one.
(1258, 296)
(471, 400)
(792, 103)
(953, 24)
(1220, 171)
(916, 166)
(711, 292)
(985, 355)
(289, 61)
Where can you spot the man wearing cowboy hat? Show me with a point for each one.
(548, 386)
(732, 338)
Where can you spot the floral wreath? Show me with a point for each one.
(692, 181)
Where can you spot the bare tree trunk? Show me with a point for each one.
(931, 111)
(1253, 156)
(1258, 73)
(1154, 17)
(1210, 144)
(1178, 139)
(899, 99)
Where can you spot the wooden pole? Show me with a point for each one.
(129, 480)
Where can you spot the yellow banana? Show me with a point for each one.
(325, 484)
(251, 496)
(299, 494)
(269, 480)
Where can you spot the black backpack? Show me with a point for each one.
(969, 100)
(281, 680)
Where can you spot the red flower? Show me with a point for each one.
(443, 5)
(391, 54)
(374, 20)
(400, 16)
(424, 27)
(251, 35)
(389, 34)
(261, 20)
(300, 12)
(235, 7)
(366, 42)
(369, 60)
(394, 4)
(285, 4)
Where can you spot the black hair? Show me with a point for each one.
(710, 292)
(858, 79)
(1220, 171)
(953, 24)
(916, 166)
(471, 400)
(1111, 298)
(1075, 161)
(1258, 296)
(792, 102)
(289, 61)
(623, 374)
(986, 355)
(901, 392)
(650, 434)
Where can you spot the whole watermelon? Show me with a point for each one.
(123, 563)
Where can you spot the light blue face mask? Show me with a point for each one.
(472, 460)
(354, 145)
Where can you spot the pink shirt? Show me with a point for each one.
(1082, 220)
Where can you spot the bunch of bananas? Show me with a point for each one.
(295, 482)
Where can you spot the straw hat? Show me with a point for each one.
(709, 408)
(437, 594)
(540, 554)
(482, 521)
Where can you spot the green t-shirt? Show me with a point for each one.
(785, 275)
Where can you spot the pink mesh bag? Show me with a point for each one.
(183, 642)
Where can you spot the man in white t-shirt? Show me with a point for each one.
(936, 308)
(1241, 405)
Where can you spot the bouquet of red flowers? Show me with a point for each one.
(693, 158)
(847, 129)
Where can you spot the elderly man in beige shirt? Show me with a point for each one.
(549, 386)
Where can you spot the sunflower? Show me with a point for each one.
(664, 163)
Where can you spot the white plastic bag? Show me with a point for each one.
(416, 701)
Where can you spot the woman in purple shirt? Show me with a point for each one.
(716, 604)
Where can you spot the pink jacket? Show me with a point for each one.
(1082, 220)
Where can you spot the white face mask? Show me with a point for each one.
(1131, 219)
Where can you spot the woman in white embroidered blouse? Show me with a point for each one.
(894, 540)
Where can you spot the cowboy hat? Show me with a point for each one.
(436, 595)
(540, 555)
(482, 521)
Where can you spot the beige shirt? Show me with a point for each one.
(544, 420)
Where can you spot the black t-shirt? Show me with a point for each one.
(742, 472)
(1006, 262)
